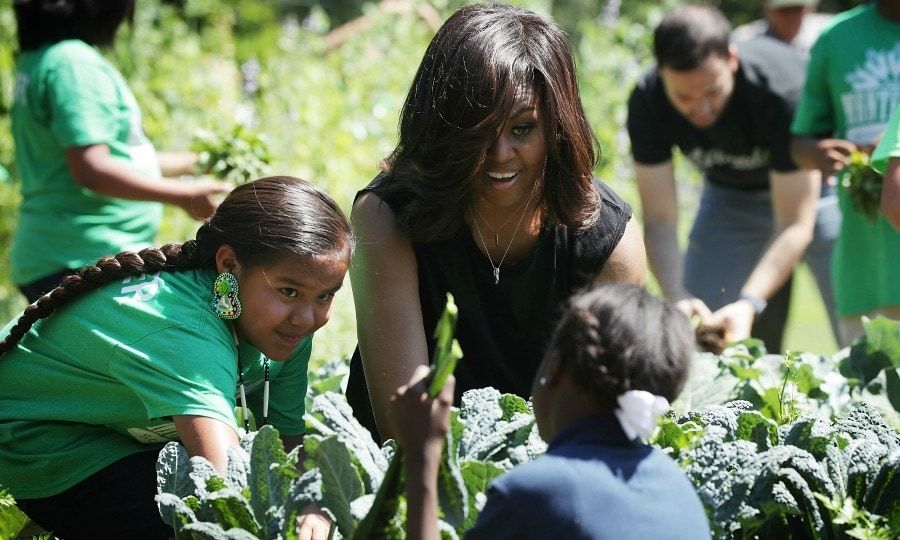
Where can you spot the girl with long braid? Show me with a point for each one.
(143, 348)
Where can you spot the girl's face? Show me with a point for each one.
(285, 302)
(515, 160)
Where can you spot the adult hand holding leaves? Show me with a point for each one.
(863, 185)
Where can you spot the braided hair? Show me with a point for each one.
(263, 221)
(619, 337)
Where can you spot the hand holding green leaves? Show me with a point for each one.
(863, 185)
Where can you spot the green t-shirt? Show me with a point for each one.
(889, 147)
(100, 379)
(850, 93)
(67, 95)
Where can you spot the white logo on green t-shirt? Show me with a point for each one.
(873, 94)
(145, 290)
(155, 434)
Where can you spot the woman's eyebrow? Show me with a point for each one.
(525, 109)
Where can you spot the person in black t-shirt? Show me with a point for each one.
(488, 195)
(728, 109)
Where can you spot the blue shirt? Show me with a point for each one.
(593, 483)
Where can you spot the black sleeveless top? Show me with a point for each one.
(502, 328)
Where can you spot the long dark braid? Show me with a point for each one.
(261, 220)
(184, 256)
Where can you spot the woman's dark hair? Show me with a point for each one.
(44, 22)
(462, 95)
(688, 35)
(619, 337)
(263, 221)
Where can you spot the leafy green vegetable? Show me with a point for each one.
(238, 156)
(12, 520)
(876, 351)
(755, 485)
(389, 497)
(447, 351)
(863, 185)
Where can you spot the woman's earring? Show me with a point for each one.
(225, 302)
(542, 381)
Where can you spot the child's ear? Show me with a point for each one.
(554, 370)
(226, 260)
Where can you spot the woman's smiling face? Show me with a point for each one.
(285, 302)
(515, 159)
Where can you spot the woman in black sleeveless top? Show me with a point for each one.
(489, 195)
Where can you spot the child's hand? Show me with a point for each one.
(832, 155)
(313, 523)
(201, 197)
(419, 423)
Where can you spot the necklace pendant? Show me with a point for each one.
(496, 275)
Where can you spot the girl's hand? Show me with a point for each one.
(418, 422)
(832, 155)
(313, 523)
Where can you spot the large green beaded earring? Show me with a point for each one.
(225, 302)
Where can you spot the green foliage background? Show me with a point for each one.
(329, 111)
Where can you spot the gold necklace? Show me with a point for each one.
(511, 240)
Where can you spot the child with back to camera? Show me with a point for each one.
(617, 358)
(148, 347)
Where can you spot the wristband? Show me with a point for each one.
(758, 303)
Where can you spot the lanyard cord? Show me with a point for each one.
(243, 392)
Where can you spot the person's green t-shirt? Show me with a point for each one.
(850, 94)
(889, 147)
(67, 95)
(101, 378)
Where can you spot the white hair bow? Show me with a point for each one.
(638, 412)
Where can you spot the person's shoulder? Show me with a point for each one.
(772, 68)
(547, 477)
(73, 58)
(857, 17)
(608, 194)
(168, 298)
(611, 204)
(72, 51)
(647, 104)
(749, 30)
(379, 193)
(765, 55)
(648, 83)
